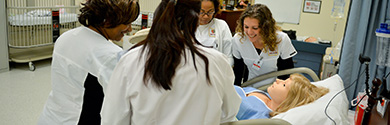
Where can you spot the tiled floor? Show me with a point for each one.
(23, 93)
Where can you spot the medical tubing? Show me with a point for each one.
(387, 75)
(338, 94)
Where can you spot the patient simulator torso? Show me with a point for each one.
(252, 107)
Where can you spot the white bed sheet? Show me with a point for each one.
(29, 20)
(314, 113)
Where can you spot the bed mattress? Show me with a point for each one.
(28, 20)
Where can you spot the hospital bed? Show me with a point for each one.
(30, 29)
(309, 114)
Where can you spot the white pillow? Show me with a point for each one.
(314, 113)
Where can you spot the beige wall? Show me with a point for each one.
(321, 25)
(317, 25)
(146, 5)
(78, 2)
(149, 5)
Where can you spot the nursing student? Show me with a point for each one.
(260, 45)
(83, 60)
(280, 97)
(170, 78)
(213, 32)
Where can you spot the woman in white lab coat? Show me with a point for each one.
(169, 78)
(260, 45)
(214, 32)
(83, 60)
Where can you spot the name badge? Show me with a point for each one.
(257, 64)
(273, 53)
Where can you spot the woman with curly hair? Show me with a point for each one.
(260, 45)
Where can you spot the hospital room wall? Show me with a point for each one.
(317, 25)
(321, 25)
(145, 5)
(4, 64)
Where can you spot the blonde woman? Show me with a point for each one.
(280, 97)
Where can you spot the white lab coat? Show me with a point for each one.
(245, 50)
(77, 53)
(191, 100)
(217, 35)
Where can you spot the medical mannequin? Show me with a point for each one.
(83, 60)
(281, 96)
(242, 4)
(260, 46)
(170, 78)
(214, 32)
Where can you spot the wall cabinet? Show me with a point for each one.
(231, 17)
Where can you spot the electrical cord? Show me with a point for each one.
(387, 75)
(338, 94)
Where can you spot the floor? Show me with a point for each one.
(23, 93)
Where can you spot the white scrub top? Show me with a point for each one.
(217, 35)
(265, 62)
(191, 100)
(79, 55)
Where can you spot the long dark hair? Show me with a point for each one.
(173, 31)
(98, 13)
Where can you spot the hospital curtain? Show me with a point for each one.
(364, 18)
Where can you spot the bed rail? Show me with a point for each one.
(30, 31)
(259, 122)
(32, 26)
(303, 70)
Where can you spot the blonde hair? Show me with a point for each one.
(301, 92)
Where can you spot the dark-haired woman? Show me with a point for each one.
(169, 78)
(83, 60)
(214, 32)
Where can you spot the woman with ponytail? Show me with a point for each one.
(170, 78)
(83, 60)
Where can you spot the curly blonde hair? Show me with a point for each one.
(267, 25)
(301, 92)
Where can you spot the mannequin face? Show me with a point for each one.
(118, 32)
(208, 10)
(279, 90)
(251, 29)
